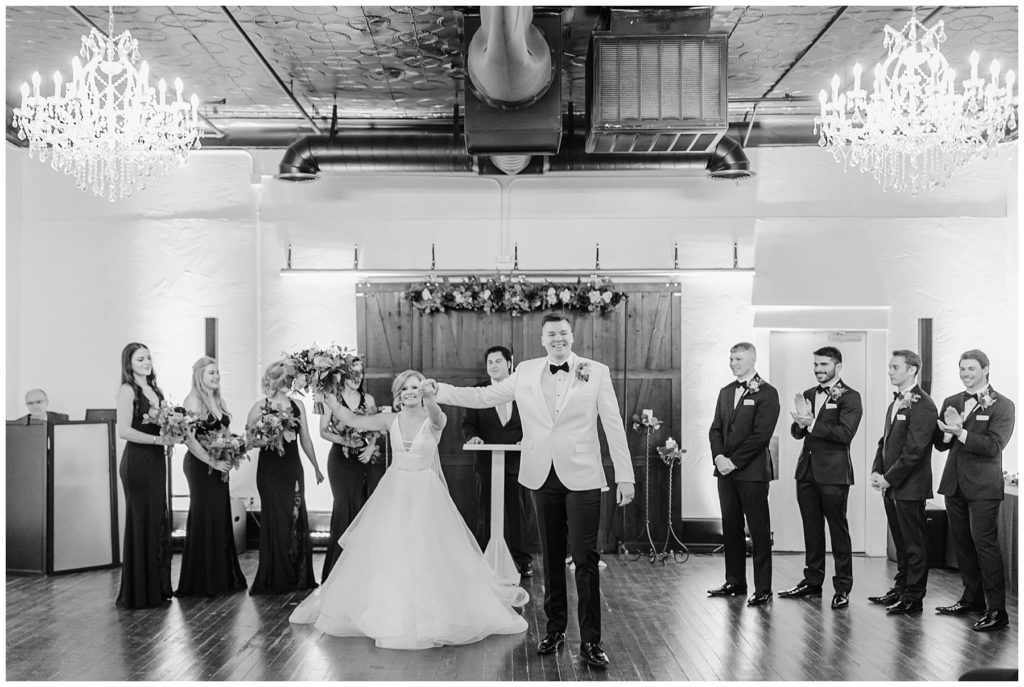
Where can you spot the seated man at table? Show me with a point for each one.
(499, 425)
(37, 402)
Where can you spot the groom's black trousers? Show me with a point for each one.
(568, 523)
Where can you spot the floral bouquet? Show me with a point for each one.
(223, 445)
(356, 440)
(175, 422)
(271, 429)
(316, 369)
(670, 453)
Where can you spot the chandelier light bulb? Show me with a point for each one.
(144, 77)
(24, 95)
(36, 80)
(915, 131)
(177, 88)
(57, 80)
(194, 102)
(822, 98)
(162, 87)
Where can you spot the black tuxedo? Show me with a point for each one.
(904, 459)
(742, 434)
(824, 473)
(486, 424)
(972, 482)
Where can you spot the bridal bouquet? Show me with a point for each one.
(175, 422)
(271, 429)
(319, 368)
(223, 445)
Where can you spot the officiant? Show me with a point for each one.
(499, 425)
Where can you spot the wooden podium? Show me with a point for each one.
(497, 553)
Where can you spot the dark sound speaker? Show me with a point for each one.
(936, 527)
(924, 347)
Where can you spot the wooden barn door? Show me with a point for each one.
(639, 341)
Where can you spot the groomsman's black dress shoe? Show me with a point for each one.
(527, 570)
(550, 643)
(887, 599)
(593, 655)
(841, 600)
(992, 620)
(727, 590)
(905, 607)
(961, 607)
(800, 590)
(759, 598)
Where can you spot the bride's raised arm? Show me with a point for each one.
(437, 417)
(380, 422)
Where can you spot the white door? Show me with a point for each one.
(792, 371)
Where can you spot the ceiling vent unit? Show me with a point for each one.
(657, 93)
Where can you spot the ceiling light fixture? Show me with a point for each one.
(914, 130)
(107, 126)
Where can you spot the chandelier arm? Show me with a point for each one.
(270, 69)
(807, 49)
(85, 18)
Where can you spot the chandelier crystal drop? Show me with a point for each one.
(914, 130)
(107, 126)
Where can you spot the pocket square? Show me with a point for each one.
(749, 402)
(830, 406)
(901, 417)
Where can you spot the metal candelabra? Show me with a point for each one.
(654, 554)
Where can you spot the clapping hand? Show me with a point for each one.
(953, 424)
(803, 414)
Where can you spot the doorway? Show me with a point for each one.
(791, 364)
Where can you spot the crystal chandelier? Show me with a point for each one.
(915, 130)
(107, 125)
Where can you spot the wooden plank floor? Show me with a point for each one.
(658, 625)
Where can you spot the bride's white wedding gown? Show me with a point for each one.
(411, 575)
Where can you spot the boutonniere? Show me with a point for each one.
(754, 384)
(583, 372)
(835, 392)
(907, 399)
(987, 399)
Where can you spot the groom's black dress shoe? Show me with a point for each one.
(727, 590)
(550, 643)
(905, 607)
(887, 599)
(800, 590)
(593, 655)
(992, 620)
(961, 607)
(759, 598)
(841, 600)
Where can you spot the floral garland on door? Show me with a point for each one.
(516, 295)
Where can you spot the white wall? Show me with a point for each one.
(211, 242)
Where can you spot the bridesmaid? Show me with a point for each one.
(146, 563)
(348, 467)
(286, 549)
(209, 562)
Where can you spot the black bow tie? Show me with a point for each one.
(968, 396)
(822, 389)
(564, 367)
(739, 385)
(896, 395)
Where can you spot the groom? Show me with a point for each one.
(560, 398)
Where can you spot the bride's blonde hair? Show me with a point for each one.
(396, 387)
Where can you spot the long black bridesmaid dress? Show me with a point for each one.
(146, 563)
(286, 549)
(209, 562)
(350, 487)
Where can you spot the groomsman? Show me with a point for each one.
(974, 426)
(902, 472)
(499, 425)
(560, 399)
(745, 418)
(826, 418)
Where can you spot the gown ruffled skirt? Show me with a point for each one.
(411, 575)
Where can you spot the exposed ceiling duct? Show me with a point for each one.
(508, 59)
(356, 151)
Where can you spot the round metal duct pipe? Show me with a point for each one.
(508, 60)
(375, 151)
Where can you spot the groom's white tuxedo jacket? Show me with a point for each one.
(567, 439)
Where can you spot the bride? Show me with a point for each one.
(411, 574)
